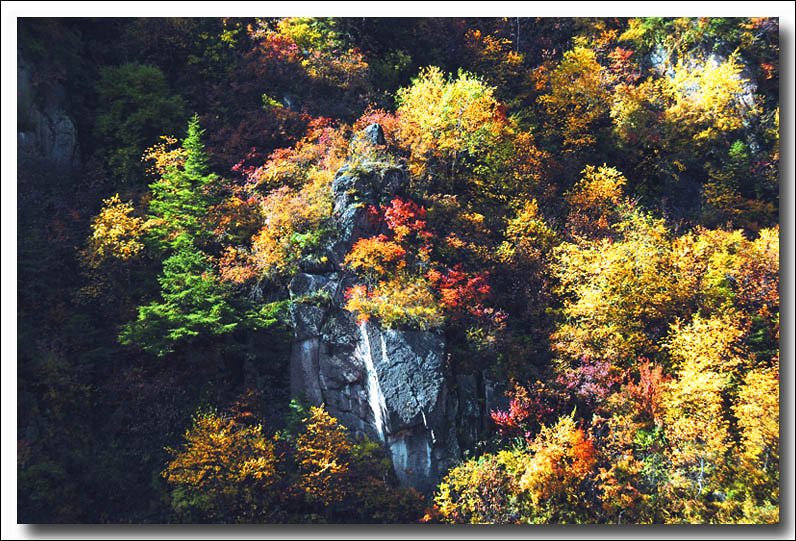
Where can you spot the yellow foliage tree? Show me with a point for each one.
(757, 410)
(165, 156)
(596, 201)
(323, 454)
(707, 97)
(402, 300)
(757, 281)
(114, 249)
(114, 233)
(719, 269)
(577, 100)
(223, 471)
(528, 237)
(703, 259)
(479, 491)
(301, 31)
(619, 296)
(447, 120)
(636, 114)
(706, 353)
(293, 224)
(289, 215)
(693, 102)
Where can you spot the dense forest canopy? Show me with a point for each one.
(588, 218)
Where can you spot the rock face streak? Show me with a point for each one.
(392, 385)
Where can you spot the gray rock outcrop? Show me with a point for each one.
(392, 385)
(46, 135)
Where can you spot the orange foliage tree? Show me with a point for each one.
(223, 472)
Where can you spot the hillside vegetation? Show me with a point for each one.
(591, 218)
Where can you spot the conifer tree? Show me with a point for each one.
(183, 195)
(194, 304)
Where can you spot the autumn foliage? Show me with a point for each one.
(585, 211)
(404, 285)
(228, 470)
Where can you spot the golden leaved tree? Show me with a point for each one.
(223, 472)
(706, 352)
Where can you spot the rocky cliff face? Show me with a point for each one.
(392, 385)
(46, 135)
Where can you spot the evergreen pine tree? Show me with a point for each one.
(182, 196)
(194, 305)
